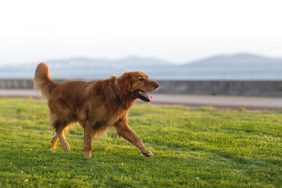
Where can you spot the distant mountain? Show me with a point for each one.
(88, 68)
(131, 62)
(241, 66)
(236, 60)
(224, 67)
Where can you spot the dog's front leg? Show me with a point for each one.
(88, 136)
(124, 131)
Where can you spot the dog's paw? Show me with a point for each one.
(66, 148)
(88, 154)
(54, 148)
(147, 154)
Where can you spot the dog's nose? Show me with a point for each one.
(156, 85)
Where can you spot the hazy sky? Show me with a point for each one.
(175, 30)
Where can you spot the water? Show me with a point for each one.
(262, 72)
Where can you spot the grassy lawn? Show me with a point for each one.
(193, 148)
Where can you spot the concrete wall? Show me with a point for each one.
(16, 84)
(191, 87)
(232, 88)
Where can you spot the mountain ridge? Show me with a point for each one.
(222, 66)
(235, 59)
(239, 58)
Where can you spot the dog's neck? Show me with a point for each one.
(123, 101)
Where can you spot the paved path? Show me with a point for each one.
(259, 103)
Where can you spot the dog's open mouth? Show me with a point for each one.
(143, 95)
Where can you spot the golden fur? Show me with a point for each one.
(96, 105)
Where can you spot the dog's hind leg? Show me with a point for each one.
(54, 141)
(60, 129)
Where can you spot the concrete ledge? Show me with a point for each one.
(16, 84)
(222, 87)
(250, 103)
(193, 87)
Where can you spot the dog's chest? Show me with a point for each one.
(102, 116)
(113, 118)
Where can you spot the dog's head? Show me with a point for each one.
(137, 84)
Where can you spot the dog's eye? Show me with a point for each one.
(141, 79)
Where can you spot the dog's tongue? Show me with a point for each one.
(146, 95)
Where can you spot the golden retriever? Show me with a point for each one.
(95, 105)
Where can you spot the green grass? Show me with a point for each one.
(193, 148)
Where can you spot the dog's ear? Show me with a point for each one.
(124, 85)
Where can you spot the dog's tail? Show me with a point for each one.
(42, 80)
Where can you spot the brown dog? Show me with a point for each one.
(96, 105)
